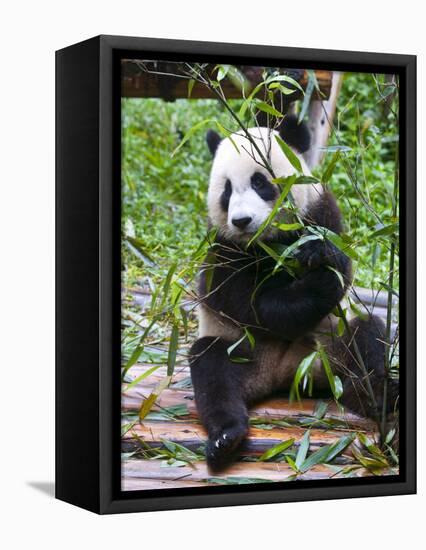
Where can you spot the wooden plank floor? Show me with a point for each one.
(173, 418)
(272, 421)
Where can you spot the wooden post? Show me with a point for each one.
(321, 114)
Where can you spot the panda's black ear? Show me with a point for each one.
(294, 134)
(213, 139)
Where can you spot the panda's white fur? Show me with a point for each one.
(237, 160)
(289, 317)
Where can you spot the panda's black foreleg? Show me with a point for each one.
(369, 336)
(219, 394)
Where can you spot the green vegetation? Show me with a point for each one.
(164, 197)
(165, 171)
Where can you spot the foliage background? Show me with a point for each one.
(164, 197)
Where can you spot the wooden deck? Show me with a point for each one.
(173, 418)
(152, 460)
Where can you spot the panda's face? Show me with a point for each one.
(241, 194)
(246, 200)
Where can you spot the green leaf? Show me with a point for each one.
(336, 390)
(138, 349)
(278, 203)
(342, 242)
(320, 410)
(284, 78)
(276, 450)
(236, 344)
(289, 226)
(339, 275)
(281, 88)
(327, 453)
(291, 463)
(302, 370)
(390, 435)
(166, 285)
(191, 83)
(190, 133)
(141, 377)
(306, 180)
(338, 387)
(391, 229)
(210, 260)
(290, 249)
(317, 457)
(291, 156)
(307, 97)
(149, 401)
(266, 108)
(328, 172)
(251, 339)
(222, 72)
(270, 251)
(340, 327)
(303, 449)
(171, 357)
(147, 405)
(236, 480)
(358, 311)
(240, 360)
(136, 246)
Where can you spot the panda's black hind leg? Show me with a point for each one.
(369, 336)
(218, 386)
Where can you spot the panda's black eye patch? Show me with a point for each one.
(263, 187)
(226, 196)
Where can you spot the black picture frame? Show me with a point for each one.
(88, 274)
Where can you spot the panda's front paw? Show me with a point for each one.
(222, 445)
(312, 254)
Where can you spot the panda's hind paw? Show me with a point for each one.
(221, 448)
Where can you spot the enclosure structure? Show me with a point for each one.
(87, 463)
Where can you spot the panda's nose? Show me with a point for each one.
(241, 223)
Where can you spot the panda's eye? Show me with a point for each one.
(258, 181)
(263, 187)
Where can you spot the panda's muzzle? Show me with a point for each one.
(241, 223)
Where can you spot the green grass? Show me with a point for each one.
(164, 197)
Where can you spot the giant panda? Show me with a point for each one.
(286, 314)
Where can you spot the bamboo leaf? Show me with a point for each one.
(191, 83)
(339, 275)
(278, 203)
(289, 226)
(171, 357)
(302, 370)
(190, 133)
(222, 72)
(147, 405)
(292, 464)
(307, 97)
(391, 229)
(266, 108)
(141, 377)
(135, 246)
(276, 450)
(283, 89)
(327, 453)
(284, 78)
(328, 172)
(138, 349)
(150, 400)
(335, 389)
(303, 449)
(236, 344)
(251, 339)
(291, 156)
